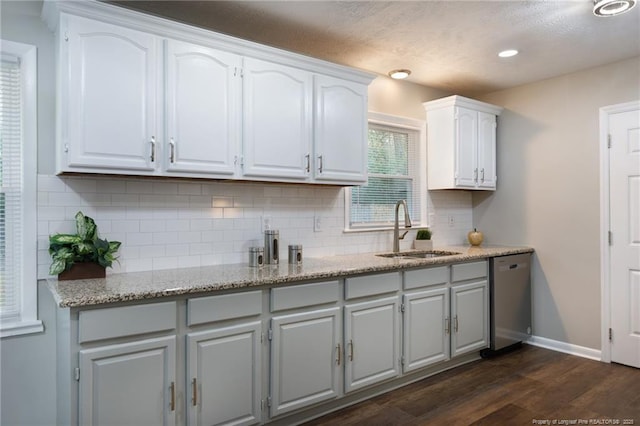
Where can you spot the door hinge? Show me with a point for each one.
(270, 334)
(238, 72)
(402, 361)
(66, 148)
(76, 373)
(268, 401)
(66, 36)
(608, 141)
(401, 307)
(610, 335)
(610, 237)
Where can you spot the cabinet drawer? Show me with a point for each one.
(426, 277)
(123, 321)
(468, 271)
(299, 296)
(202, 310)
(370, 285)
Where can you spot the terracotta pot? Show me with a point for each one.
(83, 271)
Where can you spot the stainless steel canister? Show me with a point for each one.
(256, 257)
(295, 254)
(271, 247)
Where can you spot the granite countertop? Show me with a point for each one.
(171, 282)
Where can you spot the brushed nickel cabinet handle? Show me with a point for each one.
(475, 175)
(455, 324)
(153, 148)
(194, 392)
(320, 163)
(350, 350)
(308, 161)
(339, 354)
(172, 403)
(172, 151)
(482, 175)
(447, 328)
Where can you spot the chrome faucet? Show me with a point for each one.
(396, 231)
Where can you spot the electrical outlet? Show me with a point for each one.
(451, 220)
(317, 224)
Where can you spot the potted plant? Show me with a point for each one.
(81, 255)
(423, 240)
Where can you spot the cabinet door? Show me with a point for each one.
(203, 101)
(277, 126)
(426, 328)
(340, 131)
(305, 359)
(109, 78)
(466, 137)
(470, 323)
(371, 338)
(224, 376)
(486, 150)
(129, 383)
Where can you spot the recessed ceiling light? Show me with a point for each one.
(508, 53)
(399, 74)
(612, 7)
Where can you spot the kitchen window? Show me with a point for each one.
(18, 174)
(396, 171)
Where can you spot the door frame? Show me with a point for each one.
(605, 248)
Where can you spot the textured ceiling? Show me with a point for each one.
(450, 45)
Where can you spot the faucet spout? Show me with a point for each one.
(396, 227)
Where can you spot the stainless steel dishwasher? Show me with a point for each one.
(510, 283)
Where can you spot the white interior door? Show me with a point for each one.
(624, 195)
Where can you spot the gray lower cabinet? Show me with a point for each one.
(426, 328)
(469, 313)
(445, 313)
(129, 384)
(305, 359)
(223, 359)
(224, 375)
(372, 338)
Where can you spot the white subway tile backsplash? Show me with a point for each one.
(172, 223)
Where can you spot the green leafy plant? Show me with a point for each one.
(423, 234)
(84, 246)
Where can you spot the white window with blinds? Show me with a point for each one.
(396, 171)
(18, 174)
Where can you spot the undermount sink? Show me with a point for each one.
(418, 254)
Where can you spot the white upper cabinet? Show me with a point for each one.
(278, 126)
(340, 128)
(461, 144)
(180, 101)
(203, 106)
(109, 92)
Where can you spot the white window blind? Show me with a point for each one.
(393, 164)
(18, 174)
(11, 179)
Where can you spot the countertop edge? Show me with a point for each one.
(121, 287)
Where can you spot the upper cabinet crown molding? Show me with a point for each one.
(163, 27)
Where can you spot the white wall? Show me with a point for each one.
(548, 191)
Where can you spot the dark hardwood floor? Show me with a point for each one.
(522, 387)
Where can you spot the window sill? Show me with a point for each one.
(21, 328)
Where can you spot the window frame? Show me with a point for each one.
(27, 322)
(402, 123)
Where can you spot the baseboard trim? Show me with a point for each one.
(564, 347)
